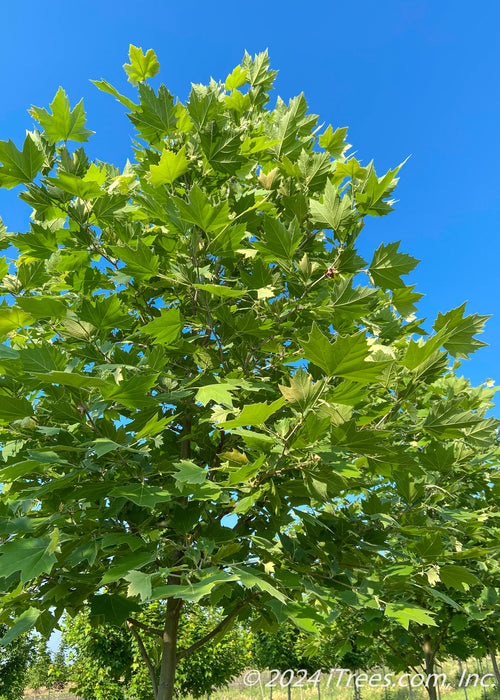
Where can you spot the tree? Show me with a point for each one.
(59, 670)
(106, 661)
(196, 394)
(283, 650)
(100, 659)
(38, 671)
(210, 667)
(14, 663)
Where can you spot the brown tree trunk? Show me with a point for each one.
(429, 669)
(496, 671)
(169, 651)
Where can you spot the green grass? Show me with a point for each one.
(309, 691)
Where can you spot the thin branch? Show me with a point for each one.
(218, 628)
(145, 656)
(145, 628)
(437, 645)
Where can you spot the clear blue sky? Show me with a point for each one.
(407, 77)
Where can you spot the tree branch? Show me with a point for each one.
(437, 645)
(145, 628)
(145, 656)
(218, 628)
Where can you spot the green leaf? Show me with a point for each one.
(201, 212)
(254, 414)
(244, 505)
(251, 577)
(438, 595)
(348, 356)
(139, 585)
(404, 299)
(8, 353)
(219, 393)
(457, 332)
(12, 319)
(236, 79)
(220, 290)
(14, 409)
(333, 212)
(447, 419)
(156, 115)
(222, 148)
(19, 166)
(165, 329)
(301, 391)
(194, 592)
(374, 190)
(42, 306)
(31, 557)
(334, 141)
(22, 624)
(62, 124)
(154, 426)
(388, 265)
(189, 473)
(171, 166)
(104, 312)
(141, 66)
(133, 392)
(404, 613)
(292, 126)
(351, 303)
(101, 446)
(141, 263)
(106, 87)
(141, 494)
(78, 187)
(457, 577)
(42, 357)
(123, 564)
(113, 609)
(279, 241)
(73, 379)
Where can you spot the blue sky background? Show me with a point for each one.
(409, 77)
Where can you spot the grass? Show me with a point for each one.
(340, 691)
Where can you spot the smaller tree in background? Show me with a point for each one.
(58, 673)
(38, 670)
(283, 650)
(14, 661)
(107, 661)
(101, 659)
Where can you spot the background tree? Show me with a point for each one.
(59, 675)
(210, 667)
(14, 663)
(106, 661)
(100, 659)
(38, 671)
(152, 328)
(283, 649)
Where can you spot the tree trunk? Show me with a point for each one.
(169, 651)
(438, 682)
(429, 669)
(496, 671)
